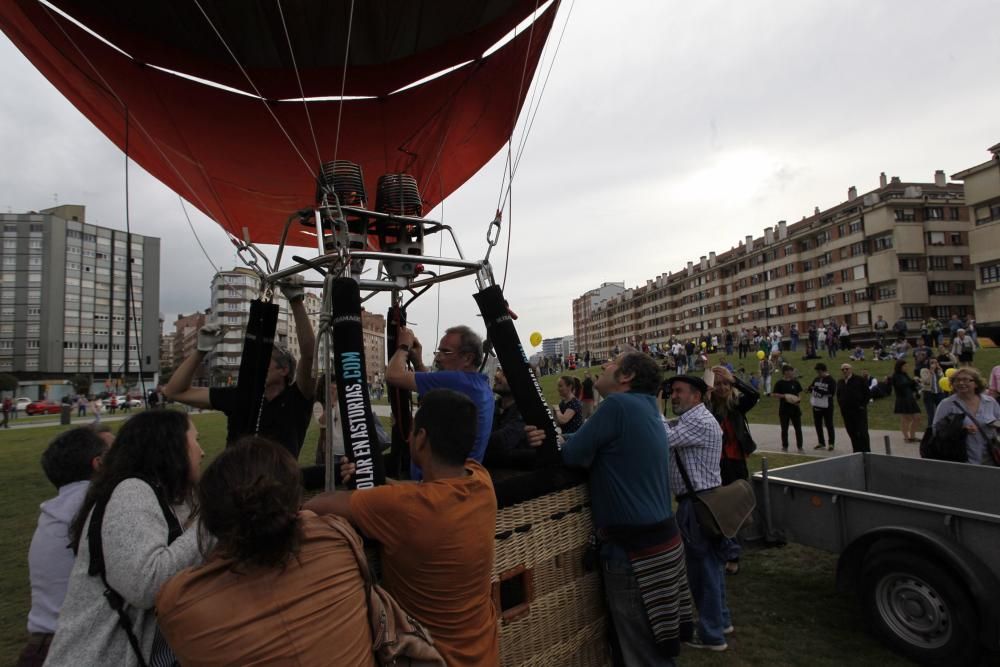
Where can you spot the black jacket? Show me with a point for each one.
(853, 394)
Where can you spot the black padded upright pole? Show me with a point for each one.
(356, 419)
(258, 342)
(523, 383)
(400, 402)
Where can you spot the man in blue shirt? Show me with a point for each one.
(456, 360)
(624, 447)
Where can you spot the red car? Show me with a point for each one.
(43, 408)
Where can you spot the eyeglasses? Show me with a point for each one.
(444, 352)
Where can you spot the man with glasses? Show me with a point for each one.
(853, 395)
(456, 361)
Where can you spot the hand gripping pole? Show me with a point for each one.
(400, 401)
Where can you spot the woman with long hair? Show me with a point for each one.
(279, 586)
(731, 399)
(905, 386)
(981, 413)
(142, 498)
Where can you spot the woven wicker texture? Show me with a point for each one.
(566, 620)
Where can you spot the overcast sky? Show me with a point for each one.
(666, 130)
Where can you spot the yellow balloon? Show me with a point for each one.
(761, 355)
(704, 345)
(945, 383)
(535, 339)
(948, 373)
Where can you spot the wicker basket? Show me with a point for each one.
(552, 611)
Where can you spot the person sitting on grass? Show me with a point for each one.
(858, 354)
(69, 462)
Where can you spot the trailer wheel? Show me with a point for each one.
(920, 610)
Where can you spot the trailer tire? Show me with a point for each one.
(919, 609)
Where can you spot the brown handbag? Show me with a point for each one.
(397, 637)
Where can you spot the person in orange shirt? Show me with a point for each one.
(279, 586)
(436, 536)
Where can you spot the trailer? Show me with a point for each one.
(918, 540)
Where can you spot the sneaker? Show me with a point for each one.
(696, 642)
(830, 448)
(728, 630)
(820, 446)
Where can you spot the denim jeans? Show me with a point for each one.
(635, 636)
(706, 564)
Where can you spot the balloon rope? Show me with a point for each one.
(196, 238)
(129, 284)
(545, 83)
(255, 90)
(111, 91)
(298, 78)
(343, 80)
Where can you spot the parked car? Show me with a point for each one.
(133, 402)
(22, 402)
(43, 408)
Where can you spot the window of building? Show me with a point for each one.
(887, 292)
(859, 272)
(826, 301)
(909, 264)
(845, 275)
(34, 311)
(935, 238)
(10, 244)
(953, 213)
(913, 312)
(882, 243)
(10, 261)
(807, 265)
(905, 215)
(937, 287)
(937, 263)
(35, 244)
(10, 227)
(32, 344)
(34, 277)
(987, 213)
(956, 238)
(990, 274)
(933, 213)
(810, 305)
(863, 319)
(958, 262)
(855, 227)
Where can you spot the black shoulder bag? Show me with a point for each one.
(97, 566)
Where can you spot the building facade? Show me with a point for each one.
(186, 343)
(899, 251)
(66, 306)
(982, 194)
(583, 311)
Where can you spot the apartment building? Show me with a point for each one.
(232, 292)
(982, 194)
(900, 251)
(584, 308)
(65, 302)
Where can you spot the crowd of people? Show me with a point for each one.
(142, 559)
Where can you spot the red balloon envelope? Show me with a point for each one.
(227, 151)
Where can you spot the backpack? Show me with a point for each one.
(397, 637)
(947, 441)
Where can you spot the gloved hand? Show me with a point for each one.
(209, 336)
(292, 288)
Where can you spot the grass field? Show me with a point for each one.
(785, 606)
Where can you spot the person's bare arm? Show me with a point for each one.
(396, 373)
(331, 502)
(179, 388)
(304, 379)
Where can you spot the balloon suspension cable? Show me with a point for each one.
(343, 80)
(133, 120)
(253, 86)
